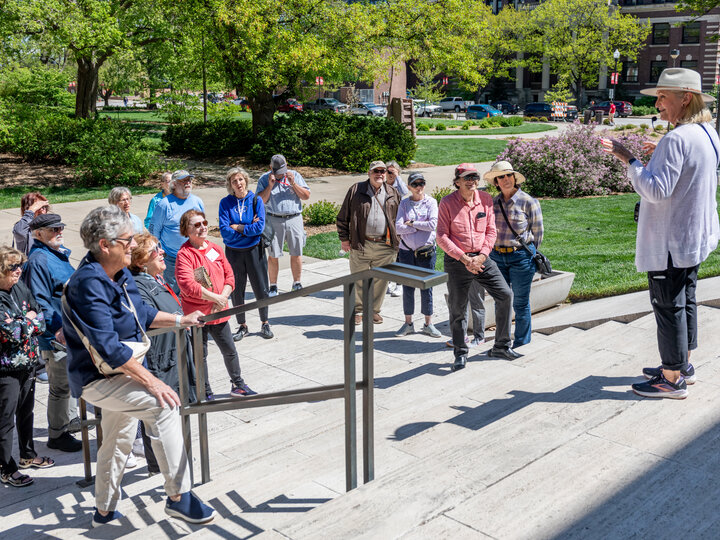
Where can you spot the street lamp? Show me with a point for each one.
(674, 54)
(616, 56)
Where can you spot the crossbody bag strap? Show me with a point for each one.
(132, 310)
(717, 158)
(517, 236)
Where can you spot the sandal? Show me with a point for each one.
(20, 481)
(45, 462)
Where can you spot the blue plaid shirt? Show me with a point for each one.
(525, 216)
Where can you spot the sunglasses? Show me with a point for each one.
(200, 224)
(54, 229)
(156, 249)
(14, 267)
(379, 171)
(508, 175)
(417, 184)
(472, 178)
(123, 241)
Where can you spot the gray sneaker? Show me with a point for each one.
(476, 342)
(430, 330)
(405, 329)
(266, 332)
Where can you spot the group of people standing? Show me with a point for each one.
(377, 226)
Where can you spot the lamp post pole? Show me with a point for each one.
(616, 56)
(674, 54)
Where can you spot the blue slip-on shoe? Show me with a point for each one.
(99, 520)
(688, 374)
(660, 387)
(42, 377)
(190, 509)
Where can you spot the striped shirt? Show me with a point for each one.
(525, 216)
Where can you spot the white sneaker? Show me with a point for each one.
(391, 288)
(131, 462)
(397, 291)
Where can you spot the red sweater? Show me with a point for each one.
(221, 274)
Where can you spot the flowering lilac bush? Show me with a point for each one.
(573, 164)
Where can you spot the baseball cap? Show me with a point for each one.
(181, 175)
(278, 164)
(376, 165)
(46, 220)
(465, 169)
(415, 177)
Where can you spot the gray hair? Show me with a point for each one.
(116, 194)
(393, 164)
(103, 223)
(233, 172)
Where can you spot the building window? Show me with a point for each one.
(656, 68)
(631, 73)
(691, 32)
(689, 64)
(661, 33)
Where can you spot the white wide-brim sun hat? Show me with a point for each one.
(500, 168)
(679, 79)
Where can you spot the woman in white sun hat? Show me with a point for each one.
(678, 223)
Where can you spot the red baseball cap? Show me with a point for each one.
(465, 169)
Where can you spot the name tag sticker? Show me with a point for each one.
(212, 255)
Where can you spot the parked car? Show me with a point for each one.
(506, 107)
(456, 104)
(423, 108)
(326, 104)
(542, 109)
(369, 109)
(290, 105)
(244, 103)
(622, 108)
(476, 112)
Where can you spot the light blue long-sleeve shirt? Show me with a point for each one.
(424, 215)
(678, 211)
(165, 223)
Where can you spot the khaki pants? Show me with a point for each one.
(374, 255)
(61, 406)
(124, 402)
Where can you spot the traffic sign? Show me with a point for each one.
(319, 81)
(445, 81)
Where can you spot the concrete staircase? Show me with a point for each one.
(551, 445)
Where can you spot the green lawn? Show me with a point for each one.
(10, 196)
(451, 151)
(155, 116)
(593, 237)
(512, 130)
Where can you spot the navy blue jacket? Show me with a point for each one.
(97, 305)
(45, 274)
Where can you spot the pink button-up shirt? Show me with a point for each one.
(466, 227)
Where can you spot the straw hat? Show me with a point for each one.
(679, 79)
(500, 168)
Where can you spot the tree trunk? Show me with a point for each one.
(262, 107)
(87, 88)
(106, 96)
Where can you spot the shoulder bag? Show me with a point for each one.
(542, 263)
(267, 234)
(139, 348)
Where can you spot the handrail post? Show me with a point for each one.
(368, 382)
(350, 387)
(199, 359)
(88, 480)
(184, 385)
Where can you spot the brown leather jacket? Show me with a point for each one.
(353, 215)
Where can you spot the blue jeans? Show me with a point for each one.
(518, 269)
(406, 256)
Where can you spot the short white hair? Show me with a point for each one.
(117, 193)
(105, 222)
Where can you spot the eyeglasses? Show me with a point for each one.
(200, 224)
(157, 249)
(508, 175)
(14, 267)
(125, 199)
(55, 229)
(187, 180)
(379, 171)
(472, 178)
(123, 241)
(417, 184)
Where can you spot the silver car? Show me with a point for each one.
(423, 108)
(369, 109)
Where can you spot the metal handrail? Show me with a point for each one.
(403, 274)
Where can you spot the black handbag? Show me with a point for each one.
(542, 263)
(267, 234)
(424, 252)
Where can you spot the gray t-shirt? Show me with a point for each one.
(376, 223)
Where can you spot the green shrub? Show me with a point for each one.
(423, 127)
(644, 101)
(220, 137)
(328, 139)
(440, 127)
(438, 193)
(642, 110)
(179, 107)
(320, 213)
(39, 86)
(466, 126)
(510, 121)
(485, 123)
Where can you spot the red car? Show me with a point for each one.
(290, 105)
(622, 108)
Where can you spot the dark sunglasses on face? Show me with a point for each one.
(417, 184)
(379, 171)
(56, 229)
(508, 175)
(472, 178)
(200, 224)
(14, 267)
